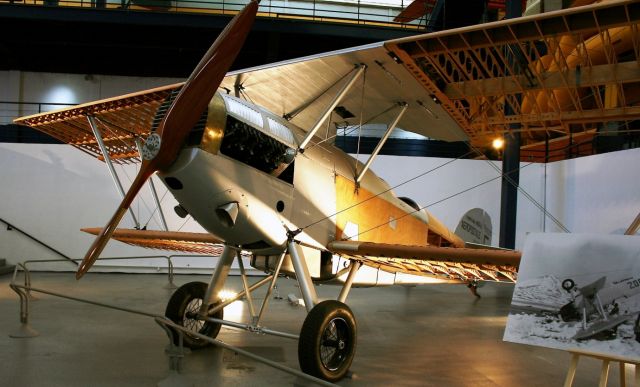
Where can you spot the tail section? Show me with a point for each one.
(475, 227)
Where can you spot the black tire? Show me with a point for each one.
(182, 309)
(570, 313)
(568, 284)
(327, 342)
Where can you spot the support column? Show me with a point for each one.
(510, 164)
(509, 192)
(107, 160)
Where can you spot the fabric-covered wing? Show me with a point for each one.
(556, 74)
(190, 242)
(120, 121)
(301, 90)
(451, 263)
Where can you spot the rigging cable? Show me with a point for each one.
(387, 190)
(434, 203)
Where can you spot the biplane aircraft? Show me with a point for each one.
(596, 306)
(258, 174)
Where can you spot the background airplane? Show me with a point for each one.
(259, 177)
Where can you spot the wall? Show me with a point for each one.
(52, 191)
(39, 91)
(597, 194)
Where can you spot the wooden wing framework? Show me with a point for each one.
(445, 263)
(188, 242)
(554, 74)
(120, 120)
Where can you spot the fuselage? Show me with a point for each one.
(241, 178)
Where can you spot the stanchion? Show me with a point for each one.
(604, 369)
(24, 330)
(175, 353)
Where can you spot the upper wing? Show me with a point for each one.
(301, 89)
(554, 73)
(415, 10)
(120, 121)
(452, 263)
(557, 73)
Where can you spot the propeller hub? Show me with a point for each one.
(151, 146)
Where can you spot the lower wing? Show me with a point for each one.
(450, 263)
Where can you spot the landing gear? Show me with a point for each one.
(473, 288)
(183, 308)
(568, 284)
(327, 342)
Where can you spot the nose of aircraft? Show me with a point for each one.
(162, 147)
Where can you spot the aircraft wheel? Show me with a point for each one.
(327, 341)
(568, 284)
(183, 309)
(636, 329)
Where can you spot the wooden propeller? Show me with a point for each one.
(162, 147)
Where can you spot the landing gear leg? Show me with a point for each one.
(183, 309)
(473, 288)
(195, 299)
(327, 341)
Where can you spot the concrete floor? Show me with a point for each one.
(435, 335)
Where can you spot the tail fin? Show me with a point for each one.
(475, 227)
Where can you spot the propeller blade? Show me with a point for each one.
(101, 240)
(195, 95)
(182, 115)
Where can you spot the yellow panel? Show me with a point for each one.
(373, 217)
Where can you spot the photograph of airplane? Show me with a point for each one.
(567, 297)
(244, 154)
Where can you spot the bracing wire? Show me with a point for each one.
(387, 190)
(353, 128)
(434, 203)
(185, 222)
(156, 207)
(364, 78)
(523, 191)
(124, 171)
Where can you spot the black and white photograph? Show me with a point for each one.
(578, 292)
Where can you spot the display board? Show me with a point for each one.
(578, 292)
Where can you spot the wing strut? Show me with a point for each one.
(345, 89)
(107, 160)
(353, 270)
(633, 228)
(154, 193)
(360, 175)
